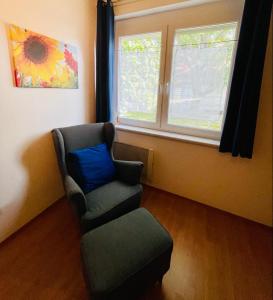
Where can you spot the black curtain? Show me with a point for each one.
(240, 123)
(104, 60)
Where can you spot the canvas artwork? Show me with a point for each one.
(42, 62)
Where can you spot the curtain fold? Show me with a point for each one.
(240, 123)
(104, 60)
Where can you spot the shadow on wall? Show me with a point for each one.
(43, 186)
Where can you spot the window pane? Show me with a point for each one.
(138, 76)
(200, 75)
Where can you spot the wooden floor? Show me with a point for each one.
(216, 255)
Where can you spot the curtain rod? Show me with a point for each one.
(122, 2)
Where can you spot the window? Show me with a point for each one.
(138, 76)
(201, 64)
(175, 78)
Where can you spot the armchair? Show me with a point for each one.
(106, 202)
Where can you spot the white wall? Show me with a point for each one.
(29, 178)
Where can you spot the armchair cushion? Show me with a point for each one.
(91, 167)
(109, 202)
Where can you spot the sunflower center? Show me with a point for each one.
(36, 50)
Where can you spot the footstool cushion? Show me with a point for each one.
(124, 255)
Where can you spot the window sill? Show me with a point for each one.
(169, 135)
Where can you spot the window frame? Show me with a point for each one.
(192, 131)
(168, 34)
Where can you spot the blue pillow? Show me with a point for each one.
(91, 167)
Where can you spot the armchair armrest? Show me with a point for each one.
(88, 222)
(129, 171)
(75, 194)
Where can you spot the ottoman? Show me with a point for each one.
(122, 257)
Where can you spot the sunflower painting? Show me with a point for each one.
(42, 62)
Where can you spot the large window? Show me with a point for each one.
(176, 79)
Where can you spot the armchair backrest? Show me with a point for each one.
(72, 138)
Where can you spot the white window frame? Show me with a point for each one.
(192, 131)
(168, 34)
(139, 31)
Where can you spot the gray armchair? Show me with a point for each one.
(109, 201)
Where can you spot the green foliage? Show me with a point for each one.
(141, 43)
(150, 117)
(208, 38)
(139, 71)
(140, 116)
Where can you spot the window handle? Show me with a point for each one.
(161, 85)
(167, 88)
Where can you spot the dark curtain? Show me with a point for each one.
(240, 123)
(104, 60)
